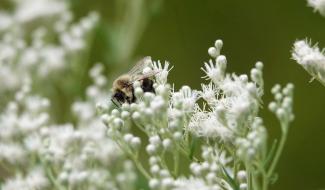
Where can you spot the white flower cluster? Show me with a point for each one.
(37, 50)
(232, 137)
(318, 5)
(66, 155)
(233, 101)
(30, 11)
(282, 106)
(40, 48)
(311, 58)
(36, 179)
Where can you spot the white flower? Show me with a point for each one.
(84, 110)
(52, 59)
(233, 86)
(5, 21)
(33, 143)
(209, 93)
(207, 124)
(185, 98)
(36, 179)
(194, 184)
(29, 10)
(213, 72)
(161, 71)
(318, 5)
(12, 153)
(312, 59)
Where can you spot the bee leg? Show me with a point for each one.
(114, 102)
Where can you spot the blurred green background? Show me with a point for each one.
(252, 30)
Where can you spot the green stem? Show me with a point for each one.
(176, 163)
(264, 180)
(261, 168)
(249, 177)
(52, 179)
(7, 169)
(278, 151)
(187, 154)
(134, 158)
(314, 76)
(140, 168)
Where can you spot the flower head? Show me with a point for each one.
(161, 71)
(318, 5)
(312, 59)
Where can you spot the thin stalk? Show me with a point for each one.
(264, 177)
(163, 162)
(187, 154)
(135, 159)
(140, 167)
(264, 180)
(249, 177)
(278, 152)
(7, 169)
(322, 82)
(176, 163)
(52, 179)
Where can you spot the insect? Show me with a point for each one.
(123, 91)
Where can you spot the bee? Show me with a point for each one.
(123, 91)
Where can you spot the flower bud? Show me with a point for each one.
(273, 106)
(222, 62)
(127, 137)
(213, 52)
(167, 183)
(153, 183)
(218, 44)
(115, 113)
(243, 186)
(151, 149)
(155, 169)
(177, 136)
(136, 115)
(167, 143)
(136, 142)
(125, 114)
(242, 175)
(259, 65)
(138, 92)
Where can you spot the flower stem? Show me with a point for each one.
(52, 179)
(134, 158)
(176, 163)
(140, 168)
(278, 151)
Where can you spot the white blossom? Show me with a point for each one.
(194, 184)
(317, 5)
(29, 10)
(161, 72)
(311, 58)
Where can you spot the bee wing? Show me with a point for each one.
(139, 66)
(143, 76)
